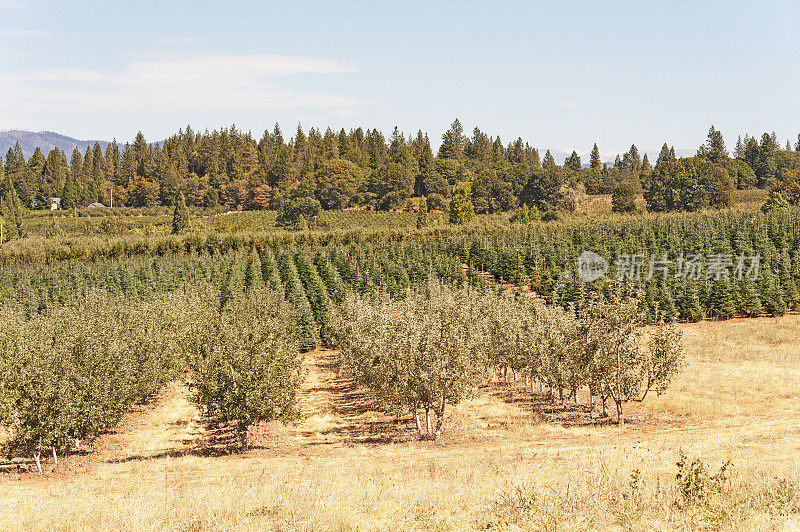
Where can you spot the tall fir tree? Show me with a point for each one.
(453, 142)
(461, 209)
(594, 158)
(548, 163)
(573, 162)
(180, 217)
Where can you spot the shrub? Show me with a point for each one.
(424, 352)
(72, 371)
(775, 201)
(297, 211)
(245, 363)
(695, 482)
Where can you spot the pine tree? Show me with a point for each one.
(749, 302)
(69, 195)
(549, 163)
(690, 306)
(647, 168)
(11, 209)
(573, 162)
(623, 195)
(453, 142)
(631, 160)
(715, 147)
(461, 208)
(422, 214)
(594, 158)
(771, 296)
(722, 299)
(180, 217)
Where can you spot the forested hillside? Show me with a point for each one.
(365, 169)
(44, 140)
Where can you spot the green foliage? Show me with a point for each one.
(542, 188)
(461, 209)
(688, 184)
(422, 214)
(696, 483)
(619, 363)
(72, 371)
(11, 210)
(180, 218)
(423, 352)
(337, 182)
(623, 196)
(298, 211)
(306, 331)
(245, 364)
(775, 201)
(524, 215)
(315, 292)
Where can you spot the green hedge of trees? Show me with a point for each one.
(433, 348)
(364, 168)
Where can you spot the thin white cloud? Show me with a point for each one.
(176, 83)
(569, 105)
(177, 40)
(25, 33)
(12, 4)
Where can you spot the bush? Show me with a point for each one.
(292, 213)
(696, 483)
(461, 208)
(775, 201)
(424, 352)
(74, 370)
(245, 363)
(623, 196)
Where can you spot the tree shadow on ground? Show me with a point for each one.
(547, 407)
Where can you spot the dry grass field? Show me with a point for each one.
(508, 460)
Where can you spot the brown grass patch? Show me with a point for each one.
(509, 460)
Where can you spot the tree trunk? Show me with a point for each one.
(37, 456)
(55, 456)
(561, 395)
(242, 440)
(591, 405)
(418, 422)
(575, 395)
(440, 419)
(603, 400)
(620, 418)
(428, 420)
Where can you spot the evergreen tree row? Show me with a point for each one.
(365, 168)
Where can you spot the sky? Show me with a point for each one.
(561, 75)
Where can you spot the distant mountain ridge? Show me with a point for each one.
(44, 140)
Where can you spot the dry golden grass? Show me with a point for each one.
(506, 462)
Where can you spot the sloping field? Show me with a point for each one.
(508, 460)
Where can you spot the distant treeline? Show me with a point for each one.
(362, 168)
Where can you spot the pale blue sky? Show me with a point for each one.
(561, 75)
